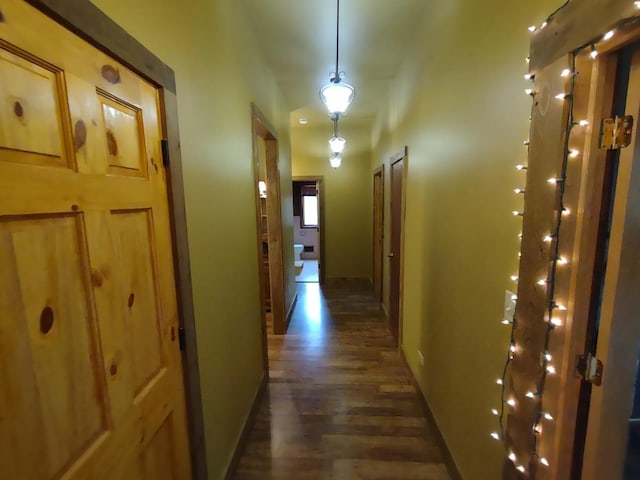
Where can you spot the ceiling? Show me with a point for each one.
(298, 38)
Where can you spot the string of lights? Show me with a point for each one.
(554, 306)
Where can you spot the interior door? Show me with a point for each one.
(91, 380)
(378, 228)
(395, 253)
(618, 312)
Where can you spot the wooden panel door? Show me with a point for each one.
(91, 380)
(395, 253)
(378, 229)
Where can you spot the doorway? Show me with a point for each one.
(608, 423)
(269, 226)
(308, 231)
(398, 165)
(378, 232)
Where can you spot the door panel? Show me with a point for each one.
(378, 228)
(395, 253)
(90, 366)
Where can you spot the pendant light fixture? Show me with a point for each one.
(335, 160)
(337, 95)
(336, 143)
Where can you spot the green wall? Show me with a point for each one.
(459, 105)
(347, 198)
(219, 74)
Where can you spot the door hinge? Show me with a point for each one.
(182, 338)
(615, 133)
(589, 368)
(164, 145)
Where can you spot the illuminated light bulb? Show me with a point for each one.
(514, 278)
(528, 59)
(529, 91)
(520, 235)
(521, 469)
(551, 370)
(537, 428)
(565, 73)
(594, 53)
(521, 167)
(541, 282)
(495, 435)
(636, 4)
(526, 143)
(518, 190)
(548, 356)
(529, 76)
(511, 402)
(512, 348)
(556, 322)
(512, 457)
(499, 381)
(495, 411)
(553, 181)
(531, 395)
(547, 416)
(543, 26)
(562, 261)
(574, 153)
(560, 307)
(548, 239)
(506, 322)
(514, 297)
(583, 123)
(517, 213)
(609, 35)
(532, 28)
(562, 96)
(566, 211)
(544, 461)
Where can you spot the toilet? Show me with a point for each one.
(297, 260)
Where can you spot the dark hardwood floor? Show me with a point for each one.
(339, 404)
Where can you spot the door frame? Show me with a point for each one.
(378, 172)
(261, 128)
(402, 155)
(319, 179)
(88, 22)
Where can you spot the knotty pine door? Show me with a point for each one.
(91, 382)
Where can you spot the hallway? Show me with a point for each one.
(339, 403)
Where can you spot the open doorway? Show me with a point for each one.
(269, 223)
(308, 214)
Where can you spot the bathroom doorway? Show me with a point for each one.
(308, 232)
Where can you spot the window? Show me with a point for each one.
(310, 210)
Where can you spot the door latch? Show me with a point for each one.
(589, 368)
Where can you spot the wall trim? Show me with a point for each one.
(292, 307)
(448, 457)
(246, 428)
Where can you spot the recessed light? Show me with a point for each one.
(303, 121)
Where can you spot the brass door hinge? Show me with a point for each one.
(589, 368)
(615, 133)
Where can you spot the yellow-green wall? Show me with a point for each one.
(459, 105)
(219, 73)
(347, 199)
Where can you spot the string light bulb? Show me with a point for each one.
(517, 213)
(499, 381)
(511, 402)
(609, 35)
(551, 370)
(532, 28)
(583, 123)
(495, 411)
(562, 96)
(565, 73)
(521, 469)
(512, 456)
(547, 416)
(531, 394)
(521, 167)
(548, 239)
(518, 190)
(495, 435)
(544, 461)
(556, 322)
(541, 282)
(562, 261)
(529, 91)
(594, 52)
(574, 153)
(529, 76)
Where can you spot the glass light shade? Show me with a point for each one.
(337, 96)
(335, 160)
(336, 144)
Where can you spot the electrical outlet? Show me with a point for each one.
(509, 305)
(420, 358)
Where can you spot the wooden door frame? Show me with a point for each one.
(402, 155)
(574, 25)
(319, 179)
(88, 22)
(379, 172)
(261, 128)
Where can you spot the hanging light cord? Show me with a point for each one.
(337, 75)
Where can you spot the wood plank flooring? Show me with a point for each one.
(339, 404)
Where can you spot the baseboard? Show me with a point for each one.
(248, 424)
(290, 312)
(448, 458)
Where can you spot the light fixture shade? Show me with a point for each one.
(335, 160)
(336, 144)
(337, 96)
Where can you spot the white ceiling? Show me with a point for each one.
(298, 38)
